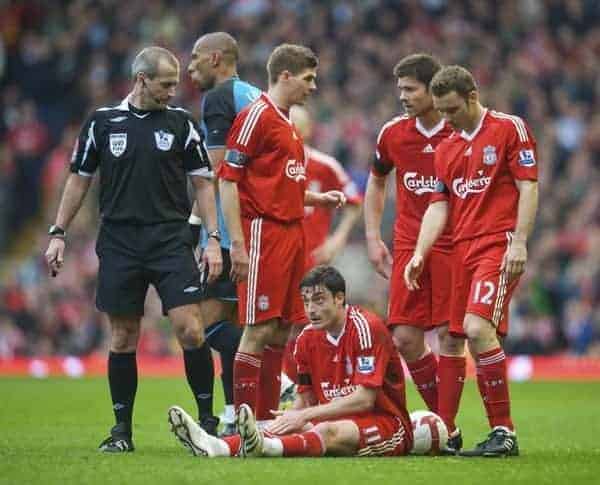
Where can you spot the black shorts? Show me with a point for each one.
(133, 257)
(223, 288)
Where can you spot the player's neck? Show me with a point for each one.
(338, 324)
(137, 100)
(430, 119)
(227, 73)
(279, 98)
(475, 118)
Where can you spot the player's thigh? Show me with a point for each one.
(272, 253)
(256, 337)
(380, 435)
(461, 287)
(122, 282)
(409, 307)
(293, 311)
(215, 310)
(409, 340)
(440, 268)
(490, 294)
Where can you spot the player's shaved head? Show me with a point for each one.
(302, 120)
(221, 42)
(149, 61)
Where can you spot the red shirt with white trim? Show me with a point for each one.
(362, 354)
(477, 174)
(265, 156)
(324, 173)
(406, 145)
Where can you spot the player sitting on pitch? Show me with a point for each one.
(351, 394)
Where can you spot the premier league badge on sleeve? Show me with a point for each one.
(366, 364)
(489, 155)
(117, 143)
(164, 140)
(526, 158)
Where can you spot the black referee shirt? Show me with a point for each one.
(144, 159)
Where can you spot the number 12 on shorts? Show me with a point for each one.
(484, 291)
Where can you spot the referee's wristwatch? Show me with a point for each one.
(216, 234)
(57, 232)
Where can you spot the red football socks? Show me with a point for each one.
(451, 380)
(246, 375)
(424, 373)
(494, 387)
(308, 443)
(269, 383)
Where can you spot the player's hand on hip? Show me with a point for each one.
(240, 262)
(380, 257)
(288, 421)
(333, 198)
(513, 263)
(412, 271)
(55, 255)
(213, 259)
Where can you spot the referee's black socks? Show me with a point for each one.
(122, 379)
(225, 337)
(200, 373)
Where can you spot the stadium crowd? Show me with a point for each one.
(534, 58)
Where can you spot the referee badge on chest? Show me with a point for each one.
(117, 143)
(164, 140)
(489, 155)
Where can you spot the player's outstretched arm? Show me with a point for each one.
(432, 226)
(379, 255)
(230, 201)
(206, 205)
(73, 194)
(516, 255)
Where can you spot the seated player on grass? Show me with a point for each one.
(351, 395)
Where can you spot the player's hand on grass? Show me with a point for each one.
(412, 271)
(380, 257)
(515, 258)
(288, 421)
(213, 259)
(333, 198)
(55, 255)
(239, 262)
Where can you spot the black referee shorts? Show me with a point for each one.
(223, 288)
(133, 257)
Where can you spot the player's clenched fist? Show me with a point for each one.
(412, 271)
(55, 255)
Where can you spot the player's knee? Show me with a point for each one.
(478, 329)
(190, 336)
(124, 339)
(329, 433)
(450, 345)
(408, 344)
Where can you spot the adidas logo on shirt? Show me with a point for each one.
(428, 148)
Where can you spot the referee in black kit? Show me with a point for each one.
(144, 150)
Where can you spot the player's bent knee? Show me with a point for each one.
(409, 343)
(450, 345)
(339, 437)
(478, 329)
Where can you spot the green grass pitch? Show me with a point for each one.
(50, 429)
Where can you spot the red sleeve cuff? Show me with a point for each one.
(227, 172)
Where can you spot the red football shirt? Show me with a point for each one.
(265, 156)
(324, 173)
(362, 354)
(477, 174)
(406, 145)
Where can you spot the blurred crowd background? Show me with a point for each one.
(535, 58)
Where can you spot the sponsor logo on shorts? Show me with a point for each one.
(117, 143)
(191, 289)
(295, 170)
(463, 187)
(365, 364)
(263, 303)
(419, 184)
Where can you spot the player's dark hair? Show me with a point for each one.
(453, 78)
(326, 276)
(290, 57)
(421, 67)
